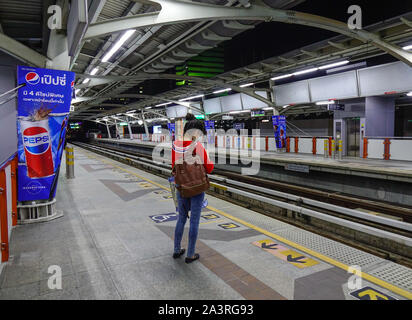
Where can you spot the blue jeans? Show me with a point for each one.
(194, 204)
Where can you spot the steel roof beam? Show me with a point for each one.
(173, 12)
(22, 52)
(143, 76)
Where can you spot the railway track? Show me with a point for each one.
(332, 215)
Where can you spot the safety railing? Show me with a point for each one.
(387, 148)
(8, 203)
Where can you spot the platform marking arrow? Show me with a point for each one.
(286, 254)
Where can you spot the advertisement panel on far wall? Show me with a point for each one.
(172, 130)
(43, 108)
(279, 128)
(210, 127)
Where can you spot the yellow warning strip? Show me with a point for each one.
(315, 254)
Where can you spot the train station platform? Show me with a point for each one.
(115, 242)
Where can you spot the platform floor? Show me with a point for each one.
(115, 242)
(390, 167)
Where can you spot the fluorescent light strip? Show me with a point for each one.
(337, 64)
(223, 90)
(242, 111)
(86, 80)
(305, 71)
(267, 109)
(147, 108)
(282, 77)
(409, 94)
(94, 71)
(118, 44)
(246, 85)
(288, 105)
(194, 97)
(322, 103)
(163, 104)
(131, 111)
(407, 47)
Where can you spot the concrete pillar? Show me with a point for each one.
(58, 51)
(272, 96)
(146, 129)
(130, 130)
(379, 117)
(108, 131)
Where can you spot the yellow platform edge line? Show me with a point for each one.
(315, 254)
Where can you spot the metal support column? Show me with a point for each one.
(108, 131)
(340, 149)
(130, 130)
(146, 129)
(69, 163)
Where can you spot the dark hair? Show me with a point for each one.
(190, 116)
(194, 124)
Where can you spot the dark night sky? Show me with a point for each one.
(269, 39)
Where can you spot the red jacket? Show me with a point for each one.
(180, 147)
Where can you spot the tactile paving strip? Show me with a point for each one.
(333, 249)
(258, 220)
(396, 274)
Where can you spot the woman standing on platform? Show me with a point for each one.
(188, 148)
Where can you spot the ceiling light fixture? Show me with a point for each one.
(282, 77)
(246, 85)
(223, 90)
(305, 71)
(407, 47)
(322, 103)
(163, 104)
(118, 44)
(336, 64)
(194, 97)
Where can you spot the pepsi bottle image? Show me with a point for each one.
(37, 148)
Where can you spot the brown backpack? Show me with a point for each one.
(190, 179)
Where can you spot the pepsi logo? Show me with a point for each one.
(32, 78)
(36, 140)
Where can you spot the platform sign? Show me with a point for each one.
(369, 293)
(43, 108)
(279, 128)
(286, 254)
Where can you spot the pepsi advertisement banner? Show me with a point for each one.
(43, 111)
(279, 127)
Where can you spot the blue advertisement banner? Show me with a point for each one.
(172, 130)
(279, 128)
(210, 126)
(43, 109)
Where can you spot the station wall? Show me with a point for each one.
(8, 111)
